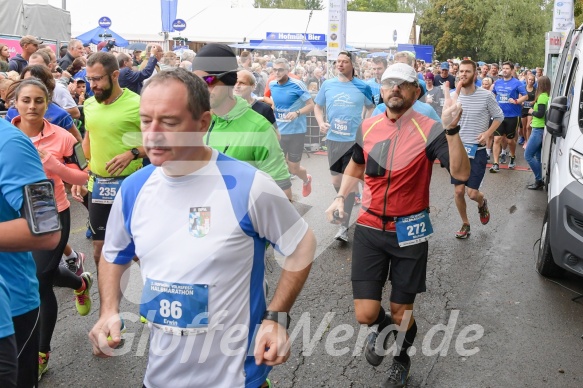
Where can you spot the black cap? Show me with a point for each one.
(217, 58)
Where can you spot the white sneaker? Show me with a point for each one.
(342, 234)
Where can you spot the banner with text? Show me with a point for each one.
(336, 28)
(169, 9)
(563, 16)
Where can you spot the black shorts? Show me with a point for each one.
(98, 215)
(477, 171)
(293, 146)
(284, 184)
(508, 127)
(376, 255)
(339, 155)
(525, 113)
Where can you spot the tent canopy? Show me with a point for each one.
(96, 36)
(221, 23)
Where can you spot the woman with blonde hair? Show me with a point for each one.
(4, 58)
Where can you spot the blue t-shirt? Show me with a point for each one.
(375, 87)
(289, 97)
(418, 106)
(54, 115)
(20, 165)
(6, 325)
(504, 91)
(344, 102)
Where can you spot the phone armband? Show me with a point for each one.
(39, 208)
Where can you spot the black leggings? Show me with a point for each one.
(26, 333)
(8, 362)
(49, 273)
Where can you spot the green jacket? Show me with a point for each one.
(245, 135)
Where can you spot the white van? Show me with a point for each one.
(561, 244)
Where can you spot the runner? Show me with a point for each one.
(345, 98)
(510, 94)
(236, 130)
(379, 65)
(398, 147)
(292, 102)
(479, 107)
(55, 147)
(526, 116)
(216, 257)
(112, 121)
(19, 341)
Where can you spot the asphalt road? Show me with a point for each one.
(507, 326)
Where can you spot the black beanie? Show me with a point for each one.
(217, 58)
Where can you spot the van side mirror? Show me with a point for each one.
(554, 117)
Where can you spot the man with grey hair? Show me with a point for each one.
(75, 50)
(231, 209)
(128, 78)
(244, 88)
(291, 101)
(188, 55)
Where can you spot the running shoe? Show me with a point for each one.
(43, 363)
(372, 353)
(502, 158)
(484, 212)
(464, 232)
(307, 187)
(512, 163)
(76, 265)
(398, 375)
(489, 157)
(521, 140)
(83, 298)
(342, 234)
(495, 168)
(357, 199)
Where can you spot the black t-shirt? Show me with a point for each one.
(264, 110)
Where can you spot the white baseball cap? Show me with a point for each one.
(400, 72)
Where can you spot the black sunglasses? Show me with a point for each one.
(212, 79)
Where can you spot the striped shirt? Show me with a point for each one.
(478, 108)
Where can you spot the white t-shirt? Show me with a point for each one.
(62, 96)
(201, 241)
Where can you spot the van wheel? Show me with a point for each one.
(545, 265)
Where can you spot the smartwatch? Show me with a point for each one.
(135, 152)
(282, 318)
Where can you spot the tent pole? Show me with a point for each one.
(304, 38)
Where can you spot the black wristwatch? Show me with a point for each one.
(282, 318)
(135, 152)
(452, 131)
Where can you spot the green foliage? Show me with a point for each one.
(373, 5)
(488, 30)
(289, 4)
(578, 13)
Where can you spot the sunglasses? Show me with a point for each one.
(400, 84)
(212, 79)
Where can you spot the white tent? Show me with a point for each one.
(221, 23)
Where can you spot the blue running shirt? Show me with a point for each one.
(504, 91)
(289, 97)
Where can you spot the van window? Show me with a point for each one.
(571, 84)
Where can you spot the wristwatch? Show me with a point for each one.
(135, 152)
(452, 131)
(282, 318)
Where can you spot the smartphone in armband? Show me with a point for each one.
(78, 157)
(40, 208)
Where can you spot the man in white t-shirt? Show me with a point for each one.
(199, 222)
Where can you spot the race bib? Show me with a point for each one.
(414, 229)
(527, 104)
(340, 126)
(175, 305)
(105, 189)
(280, 115)
(471, 150)
(503, 97)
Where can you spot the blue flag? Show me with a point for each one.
(169, 8)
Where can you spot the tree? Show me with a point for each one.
(463, 28)
(578, 13)
(373, 5)
(289, 4)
